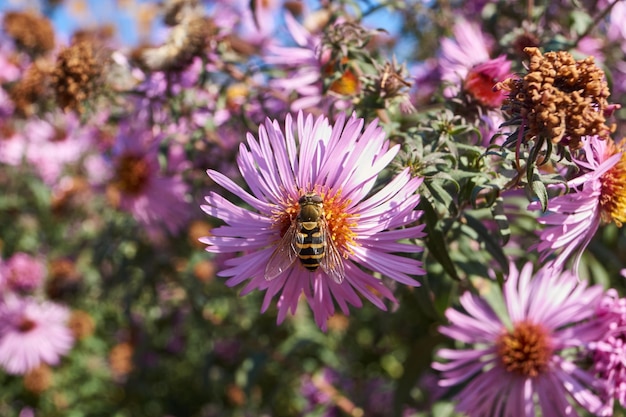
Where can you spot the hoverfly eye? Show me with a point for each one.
(316, 199)
(302, 199)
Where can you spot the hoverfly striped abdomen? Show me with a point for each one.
(308, 238)
(310, 242)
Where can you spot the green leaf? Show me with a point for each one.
(487, 237)
(435, 239)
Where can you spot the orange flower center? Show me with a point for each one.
(480, 85)
(340, 222)
(347, 84)
(133, 173)
(613, 195)
(526, 350)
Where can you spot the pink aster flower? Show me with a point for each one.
(335, 166)
(596, 196)
(54, 143)
(22, 272)
(523, 358)
(468, 71)
(31, 333)
(608, 353)
(139, 186)
(306, 65)
(466, 65)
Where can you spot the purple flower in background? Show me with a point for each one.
(467, 69)
(596, 196)
(522, 358)
(21, 272)
(333, 169)
(139, 187)
(54, 143)
(303, 64)
(306, 65)
(466, 65)
(32, 332)
(609, 352)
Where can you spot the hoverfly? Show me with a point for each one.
(309, 240)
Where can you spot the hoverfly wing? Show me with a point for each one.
(283, 256)
(332, 262)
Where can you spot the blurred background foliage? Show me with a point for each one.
(164, 336)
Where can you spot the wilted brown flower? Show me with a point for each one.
(63, 278)
(39, 379)
(175, 10)
(185, 41)
(31, 32)
(30, 89)
(198, 229)
(391, 80)
(121, 359)
(74, 75)
(204, 270)
(559, 99)
(81, 324)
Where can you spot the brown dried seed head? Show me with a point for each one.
(30, 88)
(186, 41)
(561, 99)
(31, 32)
(74, 75)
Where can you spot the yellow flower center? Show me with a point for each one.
(613, 195)
(526, 350)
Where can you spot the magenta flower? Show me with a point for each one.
(466, 65)
(31, 333)
(54, 143)
(339, 165)
(153, 197)
(306, 66)
(596, 196)
(21, 272)
(609, 352)
(523, 358)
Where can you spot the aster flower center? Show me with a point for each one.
(613, 195)
(133, 173)
(25, 325)
(340, 222)
(347, 84)
(526, 350)
(479, 83)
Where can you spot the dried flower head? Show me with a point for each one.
(38, 379)
(391, 80)
(185, 41)
(30, 88)
(31, 32)
(559, 99)
(74, 75)
(121, 360)
(175, 10)
(63, 279)
(81, 324)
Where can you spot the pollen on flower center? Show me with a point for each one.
(613, 195)
(133, 173)
(526, 350)
(479, 83)
(340, 222)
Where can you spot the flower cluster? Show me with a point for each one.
(410, 208)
